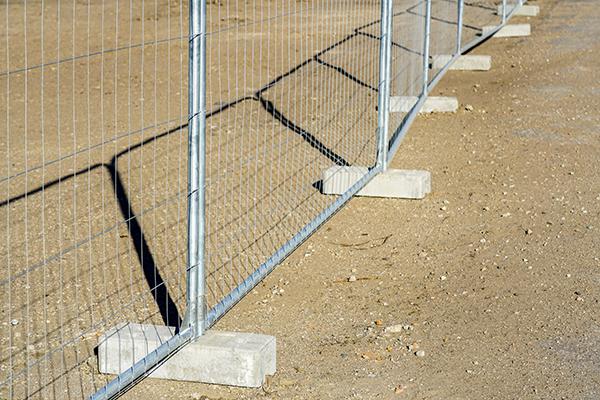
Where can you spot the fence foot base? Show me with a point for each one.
(394, 183)
(431, 105)
(225, 358)
(515, 30)
(523, 11)
(463, 63)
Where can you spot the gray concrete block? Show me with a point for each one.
(514, 30)
(463, 63)
(525, 10)
(395, 183)
(226, 358)
(432, 104)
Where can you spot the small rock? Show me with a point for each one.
(394, 329)
(528, 231)
(469, 107)
(399, 389)
(352, 278)
(14, 322)
(443, 278)
(420, 353)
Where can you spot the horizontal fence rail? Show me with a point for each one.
(160, 158)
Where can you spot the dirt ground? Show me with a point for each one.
(495, 275)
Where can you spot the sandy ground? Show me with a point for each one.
(494, 275)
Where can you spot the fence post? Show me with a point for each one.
(426, 47)
(459, 26)
(383, 107)
(196, 164)
(503, 12)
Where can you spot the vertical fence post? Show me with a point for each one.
(459, 26)
(503, 12)
(426, 48)
(196, 165)
(385, 61)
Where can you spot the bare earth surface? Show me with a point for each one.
(495, 275)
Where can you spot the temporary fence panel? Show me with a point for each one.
(160, 158)
(93, 179)
(291, 90)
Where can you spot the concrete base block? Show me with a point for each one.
(514, 30)
(226, 358)
(432, 104)
(463, 63)
(523, 11)
(395, 183)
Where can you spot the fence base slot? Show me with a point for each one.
(431, 105)
(225, 358)
(395, 183)
(523, 11)
(463, 63)
(515, 30)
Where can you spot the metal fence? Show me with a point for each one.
(160, 158)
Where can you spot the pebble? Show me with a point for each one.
(528, 231)
(420, 353)
(14, 322)
(394, 328)
(469, 107)
(352, 278)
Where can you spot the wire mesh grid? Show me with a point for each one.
(294, 86)
(93, 183)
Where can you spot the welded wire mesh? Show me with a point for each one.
(92, 181)
(407, 68)
(292, 91)
(477, 15)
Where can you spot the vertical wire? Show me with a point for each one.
(61, 308)
(103, 265)
(75, 225)
(89, 179)
(243, 221)
(141, 162)
(115, 165)
(168, 118)
(8, 220)
(116, 172)
(154, 186)
(235, 144)
(105, 299)
(43, 191)
(180, 157)
(25, 137)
